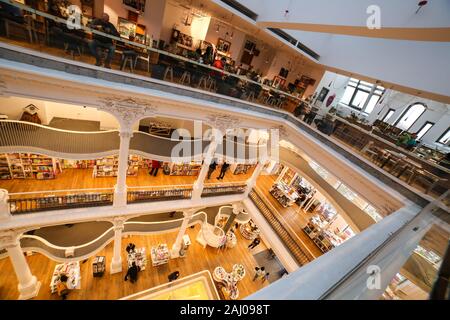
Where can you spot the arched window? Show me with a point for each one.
(410, 115)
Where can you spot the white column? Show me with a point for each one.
(251, 182)
(283, 172)
(120, 192)
(310, 202)
(199, 183)
(28, 284)
(360, 268)
(175, 253)
(5, 212)
(116, 262)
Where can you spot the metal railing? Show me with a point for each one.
(220, 189)
(158, 193)
(29, 202)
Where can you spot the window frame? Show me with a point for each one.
(426, 122)
(384, 118)
(442, 135)
(362, 86)
(406, 111)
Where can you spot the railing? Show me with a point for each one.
(289, 241)
(159, 64)
(28, 202)
(25, 136)
(159, 193)
(220, 189)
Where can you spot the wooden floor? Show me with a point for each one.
(83, 179)
(113, 286)
(293, 216)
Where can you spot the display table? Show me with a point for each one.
(71, 270)
(285, 196)
(139, 257)
(249, 230)
(160, 254)
(99, 266)
(230, 280)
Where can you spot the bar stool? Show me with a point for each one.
(251, 96)
(212, 84)
(186, 78)
(203, 82)
(169, 71)
(130, 58)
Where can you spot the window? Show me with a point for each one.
(427, 126)
(445, 137)
(358, 92)
(388, 115)
(410, 115)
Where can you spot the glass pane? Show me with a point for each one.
(424, 130)
(371, 211)
(352, 196)
(410, 116)
(388, 115)
(372, 102)
(347, 95)
(445, 138)
(359, 99)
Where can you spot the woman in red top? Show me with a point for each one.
(155, 166)
(219, 64)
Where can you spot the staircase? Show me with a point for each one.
(290, 243)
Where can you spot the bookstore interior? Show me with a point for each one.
(325, 226)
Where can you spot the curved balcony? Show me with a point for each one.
(19, 136)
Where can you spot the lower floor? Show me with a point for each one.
(113, 286)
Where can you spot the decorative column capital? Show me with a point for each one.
(222, 122)
(118, 223)
(188, 213)
(9, 239)
(127, 110)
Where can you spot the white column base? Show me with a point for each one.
(196, 192)
(116, 266)
(120, 197)
(29, 290)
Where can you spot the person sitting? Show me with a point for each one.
(412, 142)
(132, 273)
(326, 125)
(61, 287)
(219, 64)
(173, 276)
(99, 41)
(407, 140)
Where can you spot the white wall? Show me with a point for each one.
(338, 84)
(13, 107)
(151, 18)
(237, 43)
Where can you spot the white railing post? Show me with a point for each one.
(116, 262)
(120, 189)
(28, 284)
(5, 212)
(197, 188)
(251, 182)
(175, 252)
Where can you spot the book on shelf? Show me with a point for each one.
(28, 166)
(185, 169)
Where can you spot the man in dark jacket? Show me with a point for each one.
(223, 169)
(132, 273)
(99, 41)
(211, 169)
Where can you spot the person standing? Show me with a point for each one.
(155, 167)
(265, 277)
(259, 272)
(212, 168)
(223, 170)
(61, 287)
(132, 273)
(173, 276)
(254, 243)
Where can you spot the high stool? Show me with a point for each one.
(130, 58)
(186, 78)
(203, 83)
(169, 71)
(251, 96)
(212, 84)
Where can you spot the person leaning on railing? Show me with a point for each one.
(99, 41)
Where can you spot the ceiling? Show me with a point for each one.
(409, 52)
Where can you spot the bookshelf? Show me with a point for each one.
(160, 254)
(240, 168)
(185, 169)
(109, 166)
(28, 166)
(77, 164)
(5, 172)
(98, 266)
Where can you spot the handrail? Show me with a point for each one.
(171, 186)
(389, 239)
(57, 191)
(56, 129)
(148, 48)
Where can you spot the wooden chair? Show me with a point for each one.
(427, 178)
